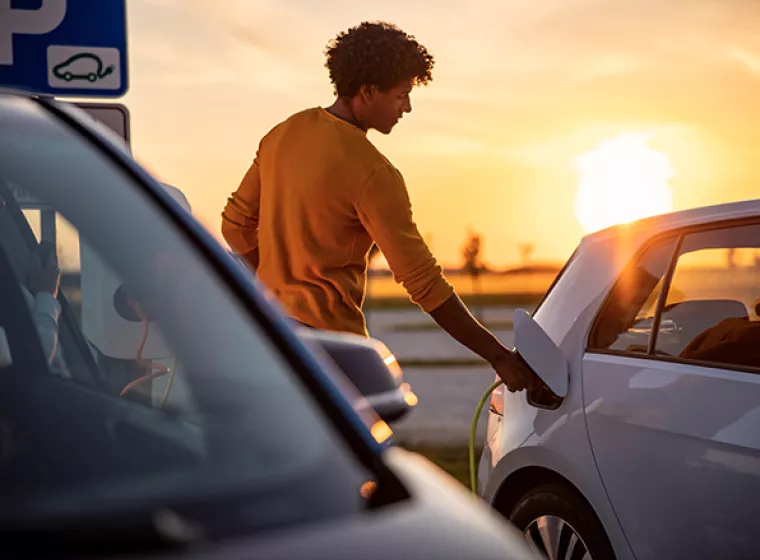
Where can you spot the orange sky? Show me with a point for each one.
(520, 90)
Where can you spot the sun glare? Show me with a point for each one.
(621, 180)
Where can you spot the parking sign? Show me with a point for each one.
(64, 47)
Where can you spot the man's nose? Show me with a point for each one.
(407, 105)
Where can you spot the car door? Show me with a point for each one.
(672, 394)
(165, 385)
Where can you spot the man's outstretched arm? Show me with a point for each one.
(385, 210)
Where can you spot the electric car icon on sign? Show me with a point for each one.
(82, 66)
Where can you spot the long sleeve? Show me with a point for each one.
(385, 211)
(240, 219)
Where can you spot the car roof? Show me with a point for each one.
(675, 220)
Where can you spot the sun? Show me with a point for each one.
(621, 180)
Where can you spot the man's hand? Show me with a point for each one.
(252, 259)
(44, 274)
(456, 320)
(515, 374)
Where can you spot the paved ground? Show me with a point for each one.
(448, 395)
(431, 343)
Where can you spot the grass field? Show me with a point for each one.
(376, 302)
(499, 285)
(383, 293)
(452, 459)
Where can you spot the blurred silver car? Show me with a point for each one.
(159, 404)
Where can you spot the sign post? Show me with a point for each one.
(114, 115)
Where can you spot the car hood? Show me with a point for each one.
(441, 520)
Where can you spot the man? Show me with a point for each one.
(319, 193)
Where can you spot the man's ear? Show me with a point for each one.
(367, 92)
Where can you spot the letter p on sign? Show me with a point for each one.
(27, 22)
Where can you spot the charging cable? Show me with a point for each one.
(473, 430)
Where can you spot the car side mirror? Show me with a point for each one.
(541, 354)
(371, 367)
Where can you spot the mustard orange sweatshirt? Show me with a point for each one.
(315, 198)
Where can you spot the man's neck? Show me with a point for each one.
(343, 110)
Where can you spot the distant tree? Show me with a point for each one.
(472, 264)
(526, 252)
(731, 258)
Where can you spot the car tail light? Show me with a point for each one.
(496, 404)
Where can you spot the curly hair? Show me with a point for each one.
(376, 54)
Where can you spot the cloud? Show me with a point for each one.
(749, 60)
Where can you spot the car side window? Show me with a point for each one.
(625, 323)
(36, 268)
(92, 330)
(711, 313)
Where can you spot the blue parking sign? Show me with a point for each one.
(64, 47)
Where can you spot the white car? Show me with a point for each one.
(646, 441)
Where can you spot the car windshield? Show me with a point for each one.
(556, 280)
(146, 385)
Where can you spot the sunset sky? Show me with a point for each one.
(521, 90)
